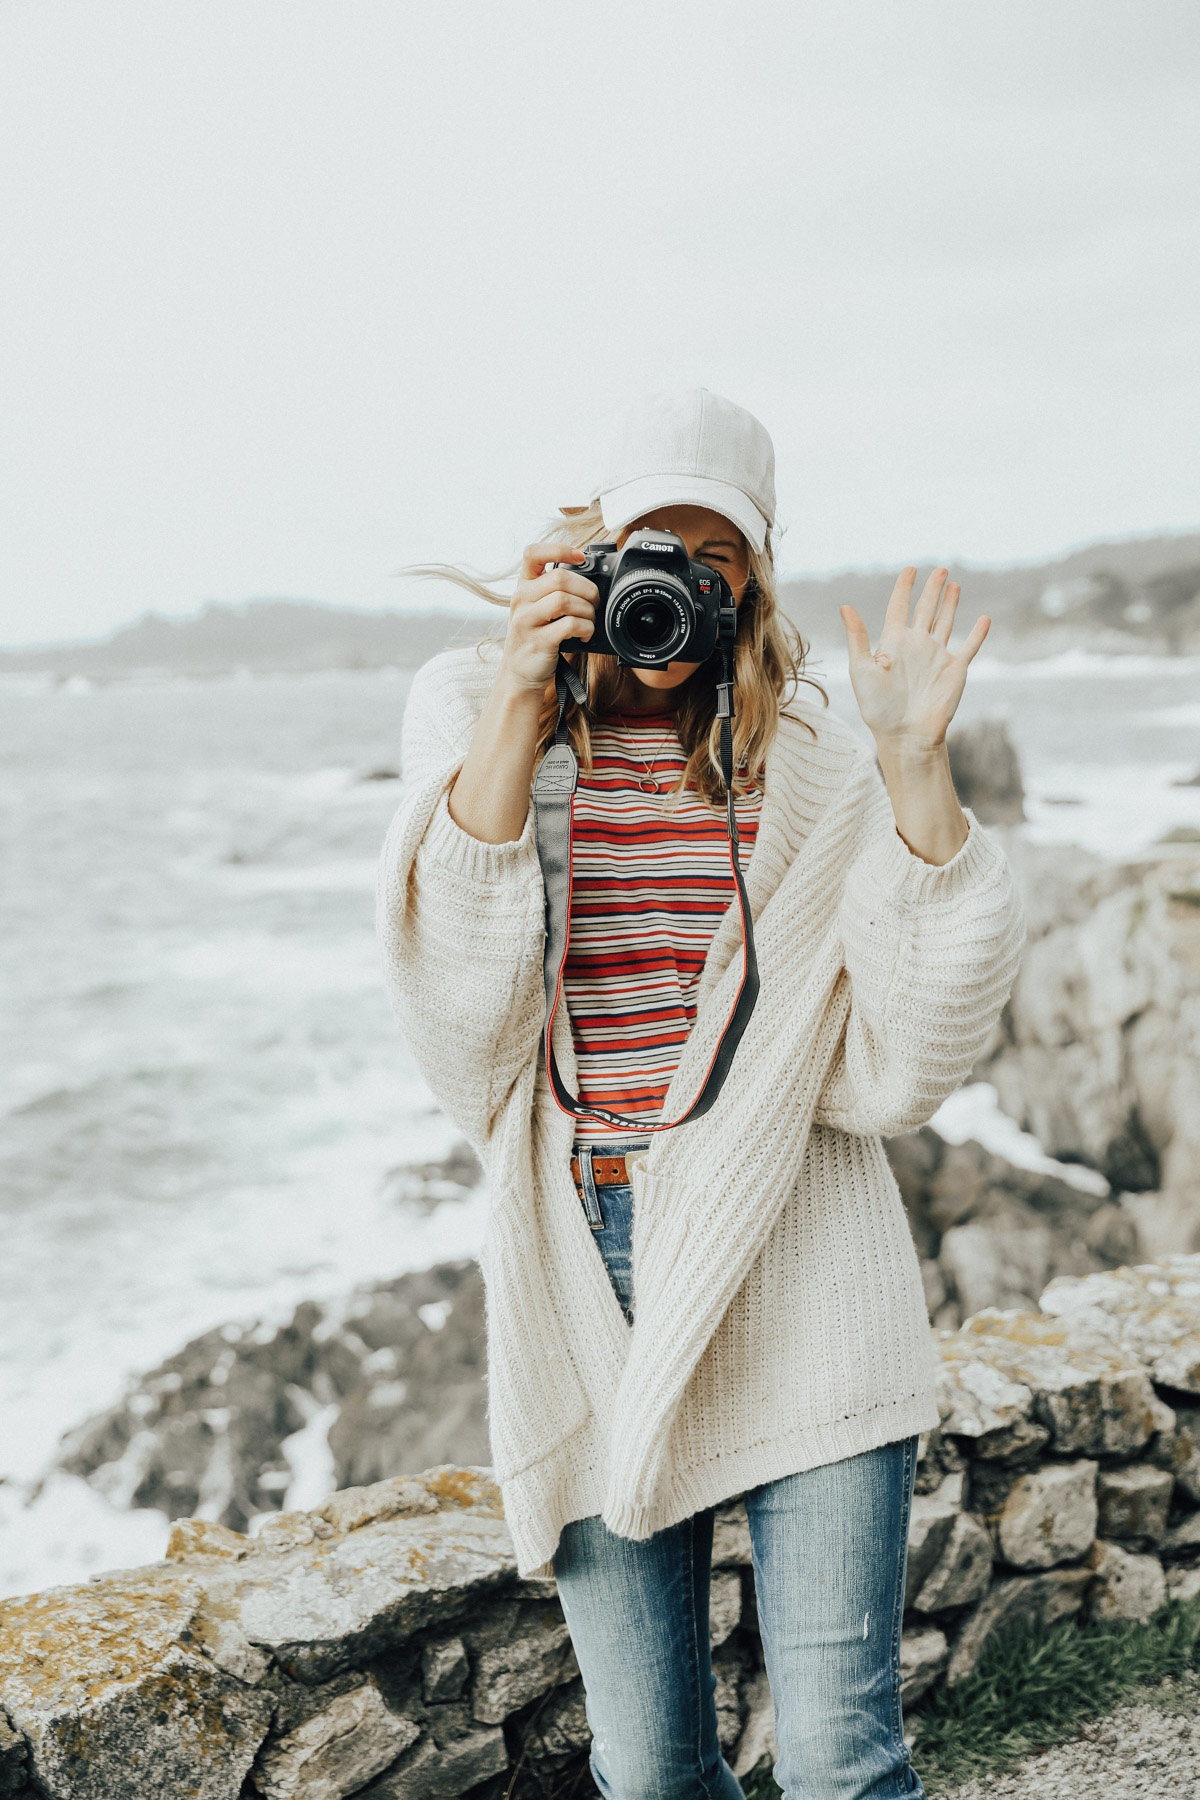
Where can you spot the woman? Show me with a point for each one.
(734, 1305)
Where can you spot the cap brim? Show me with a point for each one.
(621, 505)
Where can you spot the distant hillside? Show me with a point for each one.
(1142, 593)
(1139, 593)
(264, 636)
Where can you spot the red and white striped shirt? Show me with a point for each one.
(651, 882)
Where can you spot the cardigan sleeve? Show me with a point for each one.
(460, 924)
(931, 952)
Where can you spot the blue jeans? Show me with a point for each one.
(829, 1548)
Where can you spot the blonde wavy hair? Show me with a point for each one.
(769, 666)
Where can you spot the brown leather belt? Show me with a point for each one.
(607, 1171)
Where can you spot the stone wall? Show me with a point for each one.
(383, 1646)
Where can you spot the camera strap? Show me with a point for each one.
(553, 817)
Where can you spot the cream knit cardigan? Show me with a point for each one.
(780, 1319)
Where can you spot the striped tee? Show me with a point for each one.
(651, 882)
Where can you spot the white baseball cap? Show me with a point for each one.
(690, 447)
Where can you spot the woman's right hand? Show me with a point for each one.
(548, 605)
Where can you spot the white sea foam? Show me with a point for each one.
(974, 1112)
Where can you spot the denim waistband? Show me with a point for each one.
(585, 1153)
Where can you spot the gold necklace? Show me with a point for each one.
(649, 783)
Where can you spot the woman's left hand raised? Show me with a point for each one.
(908, 690)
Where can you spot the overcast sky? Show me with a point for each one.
(294, 291)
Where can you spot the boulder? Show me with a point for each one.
(323, 1607)
(1011, 1381)
(337, 1751)
(991, 1234)
(1049, 1516)
(1097, 1050)
(731, 1536)
(14, 1759)
(444, 1669)
(923, 1656)
(930, 1524)
(724, 1605)
(980, 1405)
(393, 1379)
(1182, 1542)
(1133, 1502)
(1181, 1452)
(963, 1571)
(510, 1674)
(1183, 1585)
(757, 1742)
(987, 771)
(432, 1771)
(113, 1703)
(559, 1728)
(1023, 1599)
(1125, 1586)
(1152, 1312)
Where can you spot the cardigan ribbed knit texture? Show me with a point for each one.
(779, 1316)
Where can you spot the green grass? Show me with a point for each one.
(1036, 1688)
(1180, 834)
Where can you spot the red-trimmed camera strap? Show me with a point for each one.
(553, 816)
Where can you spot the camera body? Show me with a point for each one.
(656, 605)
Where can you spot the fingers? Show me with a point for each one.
(943, 625)
(975, 637)
(927, 605)
(857, 636)
(560, 581)
(896, 617)
(534, 558)
(559, 605)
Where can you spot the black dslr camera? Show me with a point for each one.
(656, 605)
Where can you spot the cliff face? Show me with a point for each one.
(381, 1644)
(1098, 1053)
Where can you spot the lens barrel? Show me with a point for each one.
(650, 617)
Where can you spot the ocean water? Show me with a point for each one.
(201, 1086)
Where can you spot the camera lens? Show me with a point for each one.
(649, 617)
(650, 623)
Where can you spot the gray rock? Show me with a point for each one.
(112, 1703)
(731, 1536)
(444, 1669)
(1183, 1539)
(1152, 1312)
(963, 1571)
(1133, 1502)
(981, 1405)
(322, 1608)
(1182, 1451)
(1126, 1586)
(996, 1262)
(430, 1771)
(1049, 1516)
(559, 1728)
(1035, 1599)
(930, 1524)
(724, 1605)
(401, 1361)
(509, 1675)
(14, 1759)
(758, 1733)
(336, 1752)
(923, 1656)
(987, 772)
(1005, 1377)
(1183, 1584)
